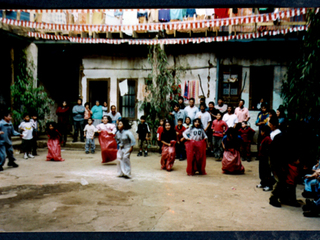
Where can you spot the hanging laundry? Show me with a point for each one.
(222, 12)
(184, 12)
(153, 16)
(176, 14)
(186, 88)
(123, 86)
(142, 14)
(164, 15)
(111, 19)
(210, 11)
(118, 13)
(200, 11)
(191, 12)
(130, 18)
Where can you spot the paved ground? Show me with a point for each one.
(49, 196)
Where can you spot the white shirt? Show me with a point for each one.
(27, 130)
(205, 118)
(231, 120)
(90, 130)
(274, 133)
(191, 112)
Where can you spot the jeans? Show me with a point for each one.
(217, 146)
(6, 150)
(78, 126)
(180, 150)
(88, 143)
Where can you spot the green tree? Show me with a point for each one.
(300, 89)
(162, 85)
(26, 97)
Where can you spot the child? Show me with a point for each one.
(181, 103)
(108, 144)
(168, 138)
(63, 121)
(180, 150)
(219, 128)
(54, 150)
(89, 131)
(264, 168)
(159, 132)
(196, 148)
(87, 113)
(34, 121)
(231, 162)
(312, 184)
(126, 141)
(143, 135)
(262, 120)
(105, 109)
(6, 131)
(246, 134)
(187, 123)
(27, 128)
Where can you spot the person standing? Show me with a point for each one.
(89, 131)
(178, 113)
(78, 120)
(27, 127)
(105, 108)
(115, 116)
(262, 120)
(230, 118)
(242, 112)
(204, 117)
(219, 128)
(221, 106)
(63, 121)
(97, 114)
(143, 132)
(191, 110)
(87, 113)
(181, 103)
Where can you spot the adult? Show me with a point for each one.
(203, 101)
(242, 112)
(205, 118)
(178, 113)
(259, 105)
(78, 120)
(105, 108)
(221, 106)
(281, 118)
(181, 103)
(63, 113)
(213, 111)
(191, 110)
(115, 116)
(97, 113)
(87, 113)
(230, 118)
(261, 121)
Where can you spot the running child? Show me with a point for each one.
(27, 127)
(54, 150)
(89, 131)
(168, 139)
(143, 136)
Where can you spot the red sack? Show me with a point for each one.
(54, 150)
(196, 156)
(231, 162)
(108, 147)
(168, 156)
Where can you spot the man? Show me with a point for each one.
(203, 101)
(242, 112)
(204, 117)
(78, 120)
(230, 118)
(221, 106)
(178, 113)
(191, 110)
(115, 116)
(213, 111)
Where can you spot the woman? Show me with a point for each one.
(282, 119)
(63, 121)
(87, 113)
(96, 113)
(231, 162)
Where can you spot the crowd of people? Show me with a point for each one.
(190, 133)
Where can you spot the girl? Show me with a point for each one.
(219, 128)
(187, 123)
(87, 113)
(168, 138)
(107, 142)
(63, 121)
(126, 142)
(231, 162)
(54, 150)
(246, 134)
(159, 132)
(105, 109)
(196, 148)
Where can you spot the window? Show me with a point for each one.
(127, 103)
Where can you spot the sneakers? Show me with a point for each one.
(266, 189)
(139, 154)
(87, 152)
(93, 152)
(12, 164)
(25, 156)
(145, 153)
(260, 186)
(30, 155)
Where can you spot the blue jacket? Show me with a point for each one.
(78, 113)
(8, 130)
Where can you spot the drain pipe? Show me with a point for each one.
(217, 80)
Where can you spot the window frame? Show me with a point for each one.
(135, 80)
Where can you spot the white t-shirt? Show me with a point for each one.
(274, 133)
(191, 112)
(231, 120)
(205, 118)
(90, 130)
(27, 130)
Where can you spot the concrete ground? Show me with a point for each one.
(53, 196)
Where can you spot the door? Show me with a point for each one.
(98, 89)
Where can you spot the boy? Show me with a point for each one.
(178, 113)
(27, 127)
(204, 117)
(89, 131)
(143, 135)
(34, 121)
(247, 135)
(181, 103)
(180, 150)
(6, 131)
(219, 128)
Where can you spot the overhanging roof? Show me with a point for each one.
(118, 4)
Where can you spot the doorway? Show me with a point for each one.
(98, 89)
(261, 85)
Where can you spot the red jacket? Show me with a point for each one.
(160, 131)
(264, 147)
(246, 134)
(219, 128)
(63, 115)
(180, 131)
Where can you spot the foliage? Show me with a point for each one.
(162, 85)
(26, 97)
(300, 90)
